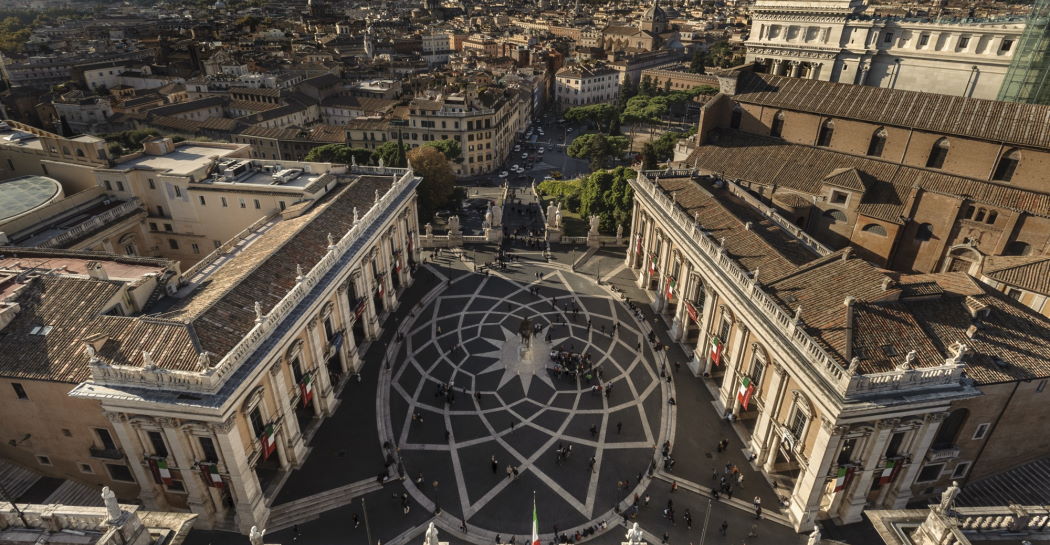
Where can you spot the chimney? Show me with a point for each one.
(849, 303)
(727, 82)
(95, 270)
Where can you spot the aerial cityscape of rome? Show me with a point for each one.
(504, 272)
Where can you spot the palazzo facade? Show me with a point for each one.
(842, 374)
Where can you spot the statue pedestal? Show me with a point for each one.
(554, 234)
(593, 241)
(455, 241)
(493, 234)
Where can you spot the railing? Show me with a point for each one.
(94, 223)
(225, 247)
(900, 379)
(574, 240)
(775, 217)
(749, 291)
(107, 453)
(935, 454)
(475, 238)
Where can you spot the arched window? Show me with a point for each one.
(835, 215)
(950, 429)
(938, 153)
(980, 215)
(777, 128)
(924, 232)
(878, 142)
(80, 152)
(875, 229)
(992, 215)
(1004, 171)
(969, 212)
(1018, 248)
(827, 130)
(736, 117)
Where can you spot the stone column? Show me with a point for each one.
(386, 261)
(856, 496)
(182, 454)
(351, 359)
(294, 436)
(149, 492)
(796, 69)
(761, 438)
(323, 385)
(686, 281)
(636, 235)
(730, 383)
(814, 70)
(371, 314)
(901, 492)
(663, 257)
(778, 67)
(243, 482)
(707, 323)
(809, 488)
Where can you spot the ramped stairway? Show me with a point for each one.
(309, 508)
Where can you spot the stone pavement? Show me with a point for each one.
(348, 447)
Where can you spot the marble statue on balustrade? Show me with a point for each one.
(594, 221)
(488, 217)
(814, 536)
(112, 507)
(497, 216)
(634, 536)
(949, 495)
(255, 535)
(431, 536)
(429, 229)
(453, 226)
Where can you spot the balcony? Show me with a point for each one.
(935, 454)
(106, 453)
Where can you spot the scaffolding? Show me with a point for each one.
(1028, 78)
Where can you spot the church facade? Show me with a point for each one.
(830, 40)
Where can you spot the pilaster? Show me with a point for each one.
(244, 483)
(901, 493)
(150, 494)
(805, 498)
(182, 453)
(293, 435)
(856, 497)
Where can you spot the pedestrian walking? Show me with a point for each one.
(664, 539)
(296, 532)
(754, 531)
(674, 486)
(463, 525)
(688, 520)
(725, 526)
(495, 464)
(357, 521)
(510, 471)
(591, 464)
(594, 430)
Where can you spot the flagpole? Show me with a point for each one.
(707, 517)
(368, 529)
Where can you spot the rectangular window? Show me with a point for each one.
(797, 424)
(105, 438)
(152, 185)
(157, 441)
(839, 197)
(20, 392)
(173, 244)
(281, 204)
(981, 431)
(888, 38)
(43, 460)
(224, 203)
(963, 42)
(208, 450)
(109, 185)
(120, 186)
(168, 228)
(86, 468)
(196, 249)
(1014, 293)
(202, 201)
(894, 448)
(845, 455)
(160, 210)
(178, 192)
(119, 472)
(243, 204)
(176, 486)
(257, 204)
(929, 473)
(1006, 45)
(257, 422)
(960, 470)
(152, 226)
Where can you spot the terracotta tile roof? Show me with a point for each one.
(70, 306)
(770, 161)
(172, 345)
(1031, 273)
(1020, 124)
(765, 246)
(222, 311)
(1026, 484)
(847, 178)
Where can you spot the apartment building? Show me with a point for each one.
(579, 85)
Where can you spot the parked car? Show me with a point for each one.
(503, 174)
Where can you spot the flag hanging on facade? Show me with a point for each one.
(888, 472)
(744, 393)
(671, 283)
(843, 477)
(268, 442)
(306, 385)
(639, 247)
(360, 308)
(692, 311)
(210, 472)
(162, 471)
(652, 263)
(535, 525)
(716, 350)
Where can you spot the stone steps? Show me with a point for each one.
(17, 479)
(309, 508)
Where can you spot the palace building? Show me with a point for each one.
(831, 40)
(855, 387)
(192, 390)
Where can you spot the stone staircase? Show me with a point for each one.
(309, 508)
(76, 493)
(16, 479)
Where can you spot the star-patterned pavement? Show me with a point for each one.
(507, 405)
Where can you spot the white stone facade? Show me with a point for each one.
(828, 40)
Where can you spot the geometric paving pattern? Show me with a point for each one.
(511, 406)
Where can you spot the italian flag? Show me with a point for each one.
(842, 478)
(671, 283)
(379, 290)
(716, 350)
(268, 442)
(888, 472)
(211, 475)
(639, 249)
(692, 311)
(397, 263)
(744, 393)
(535, 525)
(307, 388)
(164, 472)
(652, 264)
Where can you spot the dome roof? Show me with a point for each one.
(27, 193)
(654, 13)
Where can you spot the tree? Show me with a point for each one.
(649, 161)
(597, 148)
(667, 86)
(647, 86)
(608, 194)
(600, 115)
(338, 153)
(696, 64)
(391, 152)
(644, 108)
(399, 153)
(449, 148)
(627, 91)
(438, 180)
